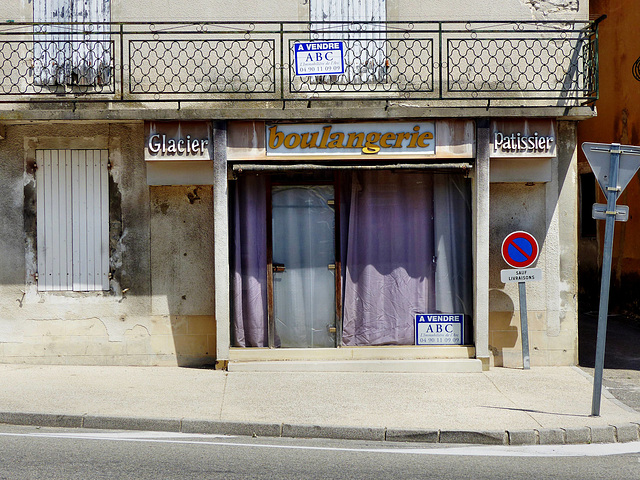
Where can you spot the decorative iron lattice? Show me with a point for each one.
(524, 65)
(545, 62)
(404, 65)
(202, 66)
(49, 67)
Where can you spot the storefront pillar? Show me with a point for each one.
(221, 244)
(481, 242)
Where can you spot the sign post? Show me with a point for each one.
(622, 162)
(520, 250)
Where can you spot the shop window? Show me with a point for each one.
(588, 228)
(320, 263)
(72, 220)
(365, 51)
(72, 54)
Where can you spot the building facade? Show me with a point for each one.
(617, 122)
(326, 187)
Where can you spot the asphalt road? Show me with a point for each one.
(622, 355)
(57, 454)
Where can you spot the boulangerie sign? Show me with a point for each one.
(351, 138)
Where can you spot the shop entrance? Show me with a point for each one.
(345, 259)
(303, 270)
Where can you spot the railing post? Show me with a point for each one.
(440, 62)
(281, 62)
(121, 61)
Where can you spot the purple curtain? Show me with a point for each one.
(389, 275)
(404, 247)
(250, 263)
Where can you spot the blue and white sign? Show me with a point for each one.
(319, 58)
(439, 329)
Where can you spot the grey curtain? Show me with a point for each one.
(304, 242)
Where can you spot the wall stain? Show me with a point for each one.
(115, 229)
(30, 215)
(193, 196)
(624, 137)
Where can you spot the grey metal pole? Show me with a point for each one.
(524, 326)
(613, 190)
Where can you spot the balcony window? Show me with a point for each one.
(76, 50)
(364, 42)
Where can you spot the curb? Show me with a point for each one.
(629, 432)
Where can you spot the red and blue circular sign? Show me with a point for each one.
(520, 249)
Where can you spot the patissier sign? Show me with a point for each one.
(523, 138)
(519, 143)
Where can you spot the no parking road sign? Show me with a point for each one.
(520, 249)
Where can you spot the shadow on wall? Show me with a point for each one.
(182, 273)
(503, 334)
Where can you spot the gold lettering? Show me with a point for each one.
(292, 140)
(305, 143)
(371, 145)
(371, 149)
(355, 137)
(371, 142)
(400, 138)
(425, 136)
(325, 137)
(386, 138)
(414, 137)
(336, 140)
(275, 138)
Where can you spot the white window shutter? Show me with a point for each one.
(52, 51)
(66, 55)
(91, 62)
(365, 47)
(73, 220)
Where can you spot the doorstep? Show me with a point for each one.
(431, 359)
(470, 365)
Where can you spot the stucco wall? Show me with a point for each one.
(298, 10)
(155, 312)
(548, 211)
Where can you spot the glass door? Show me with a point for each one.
(303, 264)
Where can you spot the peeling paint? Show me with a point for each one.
(30, 228)
(546, 7)
(118, 327)
(116, 234)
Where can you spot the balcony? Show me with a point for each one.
(423, 64)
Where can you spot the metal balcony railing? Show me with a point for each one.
(549, 63)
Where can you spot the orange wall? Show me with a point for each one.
(618, 118)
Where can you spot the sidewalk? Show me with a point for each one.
(503, 406)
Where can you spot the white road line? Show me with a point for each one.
(593, 450)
